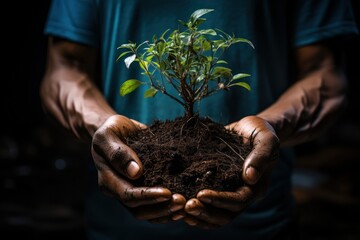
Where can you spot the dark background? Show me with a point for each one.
(43, 175)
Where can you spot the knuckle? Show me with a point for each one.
(118, 154)
(98, 137)
(119, 159)
(128, 199)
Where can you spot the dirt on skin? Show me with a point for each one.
(188, 155)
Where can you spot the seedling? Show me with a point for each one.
(190, 61)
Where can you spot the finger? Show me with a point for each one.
(265, 144)
(108, 148)
(194, 222)
(139, 124)
(260, 159)
(166, 209)
(208, 214)
(129, 195)
(231, 126)
(231, 201)
(178, 215)
(263, 154)
(161, 220)
(167, 219)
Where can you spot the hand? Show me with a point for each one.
(214, 209)
(116, 163)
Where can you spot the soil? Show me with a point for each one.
(187, 155)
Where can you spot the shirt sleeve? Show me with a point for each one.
(75, 20)
(318, 20)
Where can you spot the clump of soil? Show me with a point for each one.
(188, 155)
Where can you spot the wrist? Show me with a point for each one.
(280, 123)
(93, 121)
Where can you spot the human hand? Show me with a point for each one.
(214, 209)
(116, 163)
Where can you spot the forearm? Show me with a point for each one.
(77, 104)
(68, 91)
(309, 107)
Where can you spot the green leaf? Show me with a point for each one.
(200, 12)
(221, 71)
(127, 45)
(198, 22)
(211, 32)
(183, 23)
(144, 65)
(200, 78)
(129, 60)
(129, 86)
(205, 45)
(221, 62)
(241, 84)
(160, 45)
(164, 33)
(121, 55)
(151, 92)
(236, 40)
(240, 75)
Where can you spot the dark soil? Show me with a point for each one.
(188, 155)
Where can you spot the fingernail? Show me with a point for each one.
(252, 174)
(133, 169)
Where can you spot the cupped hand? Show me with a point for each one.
(212, 209)
(117, 163)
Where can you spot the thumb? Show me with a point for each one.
(262, 157)
(126, 161)
(109, 150)
(251, 173)
(256, 164)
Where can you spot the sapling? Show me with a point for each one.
(190, 61)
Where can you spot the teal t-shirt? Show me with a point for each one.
(274, 27)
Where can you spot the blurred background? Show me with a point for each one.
(43, 168)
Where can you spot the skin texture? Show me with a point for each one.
(304, 111)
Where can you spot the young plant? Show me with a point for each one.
(189, 61)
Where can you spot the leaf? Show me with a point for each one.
(122, 54)
(236, 40)
(200, 78)
(241, 84)
(240, 75)
(129, 60)
(127, 45)
(164, 33)
(211, 32)
(154, 38)
(160, 46)
(129, 86)
(183, 23)
(198, 22)
(221, 71)
(221, 62)
(151, 92)
(200, 12)
(144, 65)
(205, 45)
